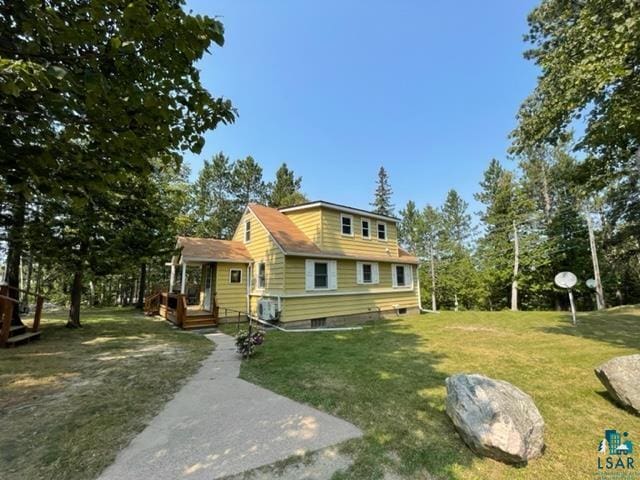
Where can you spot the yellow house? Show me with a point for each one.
(309, 265)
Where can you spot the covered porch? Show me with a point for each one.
(202, 268)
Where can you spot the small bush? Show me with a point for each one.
(246, 343)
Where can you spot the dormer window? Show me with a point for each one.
(366, 228)
(382, 231)
(346, 222)
(247, 231)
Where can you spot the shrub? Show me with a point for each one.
(246, 342)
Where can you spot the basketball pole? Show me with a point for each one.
(573, 307)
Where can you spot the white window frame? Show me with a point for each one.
(408, 276)
(368, 237)
(264, 279)
(231, 273)
(350, 217)
(375, 273)
(332, 275)
(386, 231)
(247, 230)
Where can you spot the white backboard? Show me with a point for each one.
(566, 280)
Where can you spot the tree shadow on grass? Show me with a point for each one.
(385, 380)
(618, 329)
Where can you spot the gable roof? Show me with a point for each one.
(211, 249)
(284, 232)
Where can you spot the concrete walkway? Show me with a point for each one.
(219, 425)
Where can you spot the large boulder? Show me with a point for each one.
(494, 418)
(621, 377)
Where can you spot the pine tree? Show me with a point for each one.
(285, 191)
(382, 201)
(411, 229)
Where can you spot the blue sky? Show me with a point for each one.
(335, 89)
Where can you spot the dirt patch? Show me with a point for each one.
(320, 465)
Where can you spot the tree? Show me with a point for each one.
(382, 200)
(431, 220)
(110, 87)
(589, 56)
(457, 273)
(411, 229)
(285, 191)
(212, 208)
(247, 184)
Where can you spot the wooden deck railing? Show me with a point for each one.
(37, 316)
(173, 307)
(7, 304)
(152, 304)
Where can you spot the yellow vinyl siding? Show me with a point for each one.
(350, 297)
(263, 249)
(231, 295)
(347, 275)
(333, 240)
(310, 222)
(305, 308)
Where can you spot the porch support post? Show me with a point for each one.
(183, 287)
(172, 279)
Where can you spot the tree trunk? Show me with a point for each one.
(39, 278)
(516, 265)
(455, 301)
(600, 304)
(545, 193)
(142, 285)
(15, 245)
(76, 298)
(434, 306)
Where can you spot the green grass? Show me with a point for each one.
(388, 379)
(70, 401)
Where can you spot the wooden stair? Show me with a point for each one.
(200, 321)
(13, 335)
(22, 338)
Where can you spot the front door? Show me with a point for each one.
(208, 288)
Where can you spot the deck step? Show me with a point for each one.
(191, 323)
(17, 330)
(22, 338)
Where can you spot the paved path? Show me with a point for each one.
(219, 425)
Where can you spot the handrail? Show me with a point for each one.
(11, 299)
(302, 330)
(21, 290)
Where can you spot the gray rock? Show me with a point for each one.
(494, 418)
(621, 377)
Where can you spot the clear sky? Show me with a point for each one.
(335, 89)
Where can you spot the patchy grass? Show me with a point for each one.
(388, 379)
(70, 401)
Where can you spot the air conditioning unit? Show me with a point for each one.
(268, 309)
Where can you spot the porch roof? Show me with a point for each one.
(198, 249)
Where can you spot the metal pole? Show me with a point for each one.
(573, 307)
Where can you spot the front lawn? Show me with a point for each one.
(70, 401)
(388, 379)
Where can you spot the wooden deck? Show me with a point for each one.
(173, 307)
(16, 333)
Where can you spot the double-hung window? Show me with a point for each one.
(247, 231)
(346, 224)
(382, 231)
(321, 275)
(402, 276)
(366, 232)
(367, 273)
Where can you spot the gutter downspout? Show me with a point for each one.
(249, 271)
